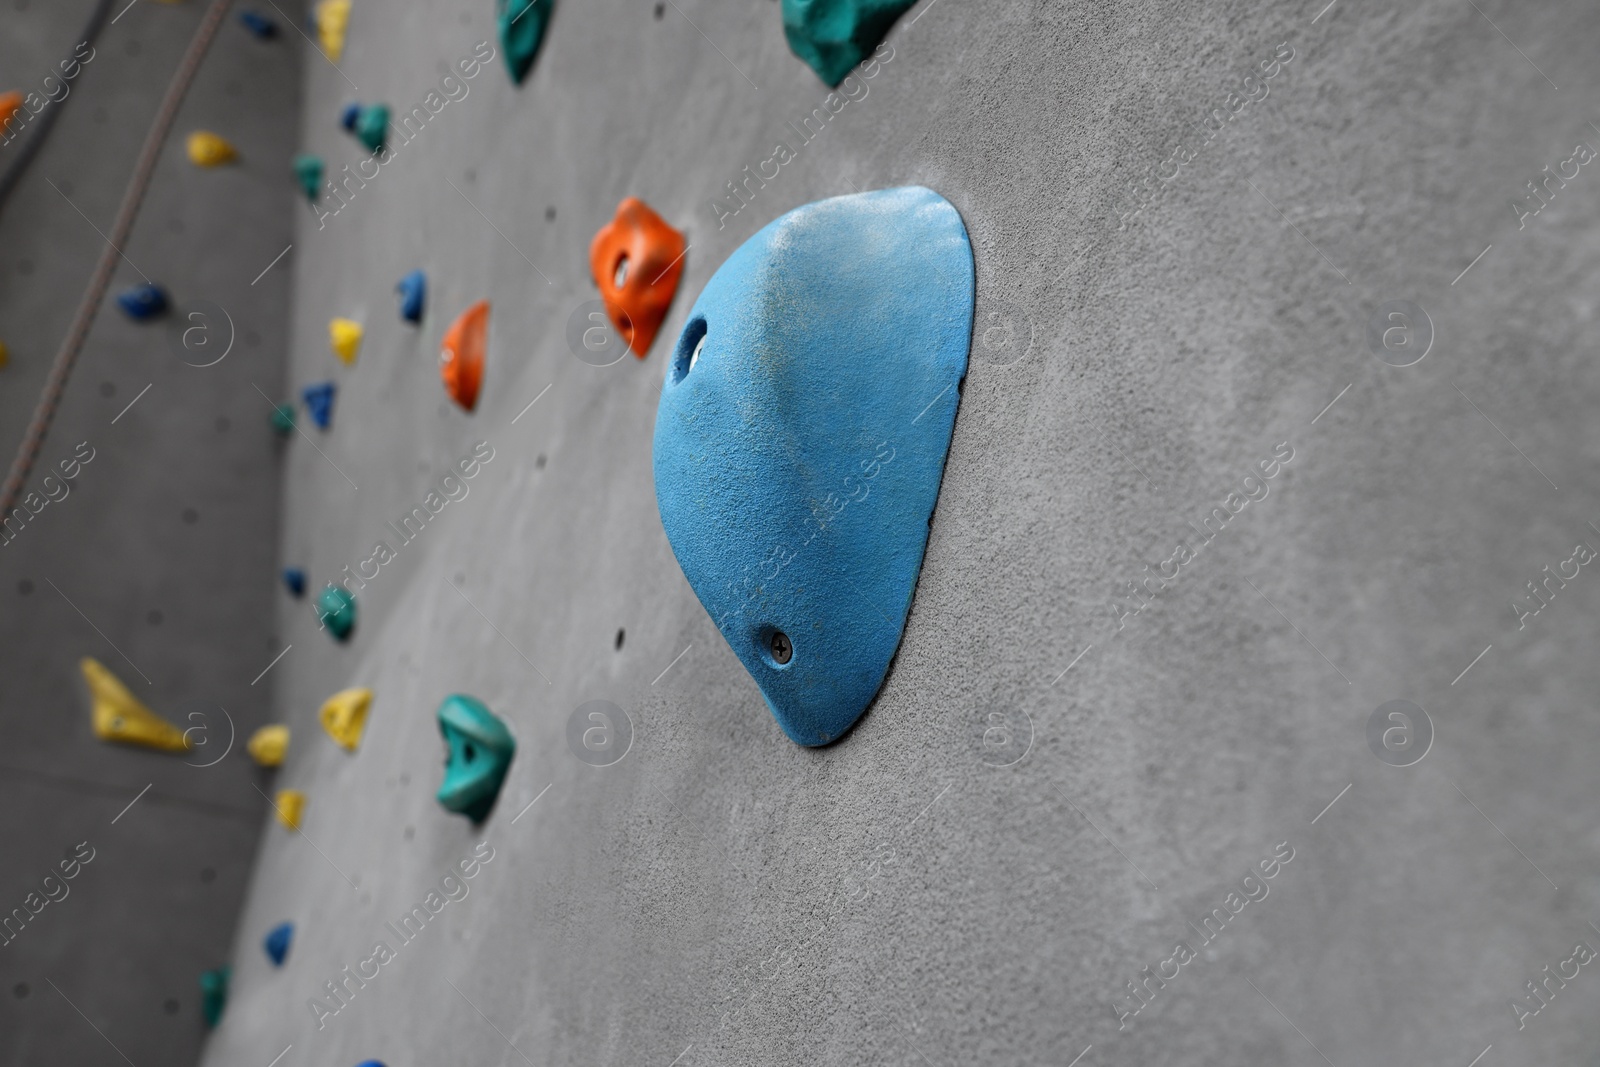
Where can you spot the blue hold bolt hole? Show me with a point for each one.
(776, 646)
(690, 346)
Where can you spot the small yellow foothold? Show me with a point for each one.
(346, 335)
(290, 805)
(209, 150)
(269, 745)
(119, 716)
(333, 17)
(344, 716)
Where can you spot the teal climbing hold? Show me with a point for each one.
(214, 994)
(834, 35)
(283, 418)
(413, 289)
(336, 606)
(308, 172)
(277, 941)
(319, 401)
(372, 128)
(479, 753)
(522, 24)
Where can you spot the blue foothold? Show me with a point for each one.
(277, 942)
(801, 438)
(143, 302)
(350, 116)
(258, 24)
(319, 402)
(294, 580)
(413, 289)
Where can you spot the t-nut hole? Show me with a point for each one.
(620, 276)
(467, 752)
(690, 345)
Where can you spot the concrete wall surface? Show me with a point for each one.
(1096, 816)
(158, 561)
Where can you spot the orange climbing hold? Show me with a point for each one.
(637, 259)
(462, 354)
(10, 104)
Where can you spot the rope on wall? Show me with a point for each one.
(100, 281)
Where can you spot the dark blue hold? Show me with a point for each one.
(294, 580)
(413, 289)
(350, 116)
(370, 1063)
(319, 402)
(277, 942)
(143, 302)
(258, 24)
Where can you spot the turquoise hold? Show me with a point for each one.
(214, 994)
(372, 128)
(832, 36)
(283, 419)
(478, 754)
(521, 24)
(801, 439)
(308, 172)
(336, 606)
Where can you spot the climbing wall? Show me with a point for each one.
(1243, 711)
(155, 539)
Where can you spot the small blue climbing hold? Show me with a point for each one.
(143, 302)
(413, 289)
(319, 402)
(337, 608)
(294, 580)
(258, 24)
(277, 942)
(350, 116)
(370, 1063)
(801, 439)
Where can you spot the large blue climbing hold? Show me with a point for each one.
(143, 302)
(319, 402)
(277, 942)
(801, 439)
(413, 289)
(258, 24)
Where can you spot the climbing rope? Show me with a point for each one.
(41, 129)
(138, 185)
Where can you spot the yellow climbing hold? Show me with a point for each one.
(209, 150)
(346, 335)
(269, 745)
(119, 716)
(333, 17)
(290, 805)
(344, 716)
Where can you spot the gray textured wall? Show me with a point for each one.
(159, 561)
(912, 895)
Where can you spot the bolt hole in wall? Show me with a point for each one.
(620, 636)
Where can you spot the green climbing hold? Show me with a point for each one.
(478, 752)
(336, 607)
(834, 35)
(214, 994)
(522, 24)
(283, 418)
(373, 127)
(308, 171)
